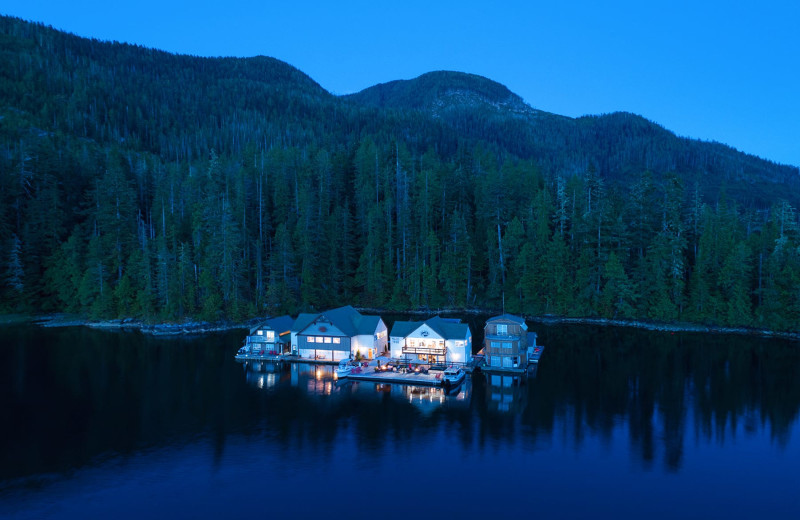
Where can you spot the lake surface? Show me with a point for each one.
(615, 423)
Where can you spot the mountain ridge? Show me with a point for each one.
(139, 183)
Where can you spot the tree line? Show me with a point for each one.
(112, 233)
(135, 183)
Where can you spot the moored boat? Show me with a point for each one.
(453, 376)
(344, 368)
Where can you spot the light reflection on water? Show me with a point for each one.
(106, 423)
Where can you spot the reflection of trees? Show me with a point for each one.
(660, 384)
(75, 394)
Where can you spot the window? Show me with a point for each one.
(502, 329)
(495, 344)
(270, 335)
(506, 345)
(319, 339)
(411, 343)
(311, 339)
(337, 340)
(459, 343)
(260, 332)
(327, 339)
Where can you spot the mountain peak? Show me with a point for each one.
(440, 90)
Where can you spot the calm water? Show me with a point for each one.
(616, 422)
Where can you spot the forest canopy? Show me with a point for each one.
(137, 183)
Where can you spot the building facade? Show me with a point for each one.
(339, 334)
(506, 341)
(273, 337)
(436, 340)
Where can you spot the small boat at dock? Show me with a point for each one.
(344, 368)
(453, 376)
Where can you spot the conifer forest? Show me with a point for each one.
(140, 184)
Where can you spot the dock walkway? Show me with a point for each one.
(283, 358)
(432, 378)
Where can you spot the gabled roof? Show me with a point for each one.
(367, 325)
(281, 325)
(446, 328)
(509, 317)
(404, 328)
(346, 319)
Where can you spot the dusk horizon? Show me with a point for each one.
(682, 67)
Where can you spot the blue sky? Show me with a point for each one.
(713, 70)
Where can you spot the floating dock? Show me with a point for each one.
(432, 378)
(533, 358)
(282, 358)
(478, 363)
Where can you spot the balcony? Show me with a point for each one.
(504, 337)
(513, 351)
(431, 351)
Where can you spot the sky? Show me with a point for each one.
(712, 70)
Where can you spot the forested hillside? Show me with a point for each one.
(137, 183)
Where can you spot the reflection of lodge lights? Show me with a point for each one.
(319, 374)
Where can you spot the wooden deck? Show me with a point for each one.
(432, 378)
(534, 358)
(282, 358)
(478, 362)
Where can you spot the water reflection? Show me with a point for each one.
(506, 393)
(73, 395)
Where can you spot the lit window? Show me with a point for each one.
(260, 332)
(271, 335)
(502, 329)
(337, 340)
(411, 343)
(327, 339)
(311, 339)
(319, 339)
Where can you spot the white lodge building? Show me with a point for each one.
(437, 340)
(339, 334)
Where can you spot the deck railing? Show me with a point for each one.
(436, 351)
(514, 351)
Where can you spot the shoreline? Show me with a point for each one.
(129, 324)
(656, 326)
(166, 329)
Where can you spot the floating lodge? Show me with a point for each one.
(414, 352)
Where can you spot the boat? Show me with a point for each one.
(453, 376)
(344, 368)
